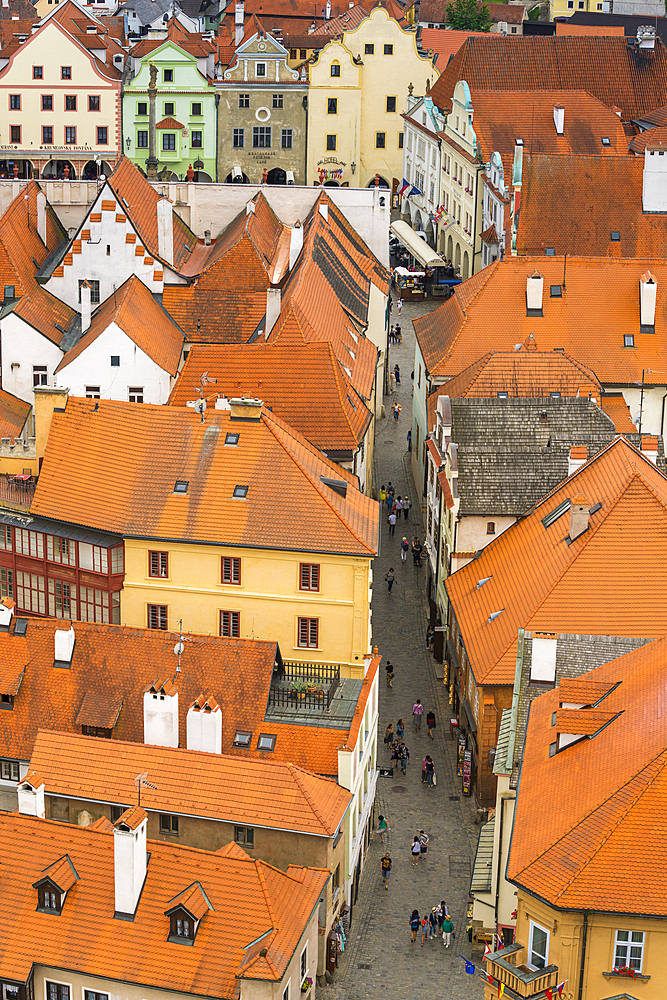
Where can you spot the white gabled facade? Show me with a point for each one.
(461, 186)
(28, 357)
(495, 203)
(422, 164)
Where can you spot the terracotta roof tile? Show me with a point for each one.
(193, 899)
(614, 406)
(511, 13)
(544, 584)
(445, 43)
(169, 122)
(652, 137)
(566, 28)
(13, 414)
(268, 792)
(583, 690)
(61, 873)
(100, 709)
(306, 387)
(581, 722)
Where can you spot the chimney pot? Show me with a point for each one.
(31, 795)
(161, 715)
(579, 511)
(64, 646)
(204, 726)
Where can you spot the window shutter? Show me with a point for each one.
(313, 631)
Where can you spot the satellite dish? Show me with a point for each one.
(179, 648)
(635, 418)
(200, 405)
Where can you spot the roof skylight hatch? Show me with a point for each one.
(557, 512)
(241, 491)
(181, 486)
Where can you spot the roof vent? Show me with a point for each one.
(64, 647)
(559, 118)
(339, 486)
(480, 583)
(20, 627)
(494, 615)
(579, 511)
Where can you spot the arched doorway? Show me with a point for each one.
(331, 184)
(94, 169)
(237, 177)
(201, 177)
(59, 170)
(466, 265)
(457, 257)
(450, 247)
(276, 176)
(21, 169)
(382, 183)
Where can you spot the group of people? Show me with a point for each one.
(393, 503)
(395, 334)
(432, 925)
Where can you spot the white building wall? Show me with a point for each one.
(471, 535)
(23, 347)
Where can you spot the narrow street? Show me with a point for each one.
(380, 958)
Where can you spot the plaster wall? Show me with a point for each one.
(21, 349)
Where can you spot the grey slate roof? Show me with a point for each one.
(502, 743)
(483, 867)
(511, 452)
(147, 10)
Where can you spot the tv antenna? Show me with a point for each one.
(142, 780)
(199, 405)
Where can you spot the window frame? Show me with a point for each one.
(287, 138)
(303, 962)
(65, 72)
(14, 102)
(243, 839)
(197, 138)
(230, 570)
(135, 394)
(71, 102)
(68, 130)
(160, 613)
(168, 824)
(167, 137)
(63, 990)
(388, 49)
(9, 765)
(167, 76)
(94, 97)
(277, 101)
(47, 889)
(308, 568)
(244, 100)
(332, 105)
(308, 624)
(380, 143)
(628, 945)
(38, 72)
(193, 112)
(533, 926)
(331, 142)
(230, 628)
(332, 67)
(161, 561)
(102, 130)
(49, 98)
(369, 49)
(12, 140)
(271, 738)
(260, 134)
(142, 138)
(47, 135)
(238, 134)
(388, 110)
(140, 105)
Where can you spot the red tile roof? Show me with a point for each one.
(169, 122)
(249, 900)
(614, 405)
(567, 28)
(652, 137)
(139, 315)
(445, 43)
(539, 582)
(13, 414)
(511, 13)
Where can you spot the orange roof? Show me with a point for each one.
(62, 873)
(614, 406)
(267, 793)
(140, 316)
(559, 63)
(130, 456)
(652, 137)
(540, 582)
(445, 43)
(598, 305)
(583, 690)
(249, 900)
(169, 122)
(567, 28)
(609, 790)
(305, 386)
(71, 19)
(13, 414)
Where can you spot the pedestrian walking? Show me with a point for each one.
(391, 335)
(390, 673)
(424, 771)
(392, 525)
(391, 489)
(414, 925)
(383, 494)
(392, 383)
(430, 771)
(424, 929)
(417, 712)
(385, 868)
(423, 844)
(433, 922)
(399, 306)
(404, 548)
(389, 735)
(400, 729)
(397, 332)
(407, 503)
(382, 828)
(403, 756)
(415, 850)
(430, 723)
(442, 913)
(397, 374)
(394, 759)
(447, 931)
(398, 507)
(389, 502)
(389, 577)
(397, 411)
(409, 440)
(416, 551)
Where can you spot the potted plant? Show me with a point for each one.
(306, 984)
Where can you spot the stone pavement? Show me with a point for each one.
(379, 958)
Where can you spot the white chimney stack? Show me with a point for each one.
(161, 714)
(63, 646)
(534, 287)
(654, 190)
(273, 297)
(649, 448)
(559, 118)
(165, 230)
(86, 307)
(295, 243)
(7, 606)
(41, 217)
(579, 511)
(239, 18)
(648, 288)
(31, 795)
(129, 857)
(578, 457)
(204, 726)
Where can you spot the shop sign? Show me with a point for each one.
(463, 739)
(330, 169)
(467, 772)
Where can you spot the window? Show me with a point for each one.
(48, 900)
(6, 537)
(142, 140)
(369, 50)
(309, 576)
(168, 75)
(181, 486)
(57, 991)
(62, 598)
(169, 108)
(93, 557)
(389, 50)
(9, 770)
(240, 491)
(47, 102)
(286, 138)
(292, 53)
(554, 395)
(196, 137)
(94, 605)
(157, 616)
(30, 594)
(266, 741)
(335, 69)
(65, 72)
(331, 143)
(277, 100)
(261, 137)
(629, 950)
(335, 882)
(29, 543)
(168, 142)
(286, 992)
(97, 731)
(490, 527)
(549, 252)
(391, 104)
(302, 53)
(90, 995)
(332, 105)
(92, 392)
(39, 375)
(94, 290)
(102, 135)
(60, 550)
(606, 141)
(232, 439)
(260, 69)
(117, 559)
(70, 102)
(308, 633)
(14, 102)
(169, 824)
(556, 292)
(158, 564)
(615, 236)
(70, 135)
(15, 133)
(136, 394)
(37, 72)
(6, 582)
(538, 947)
(244, 100)
(182, 926)
(93, 102)
(231, 570)
(629, 340)
(238, 140)
(230, 624)
(196, 110)
(303, 963)
(142, 109)
(47, 135)
(400, 140)
(116, 813)
(244, 835)
(380, 138)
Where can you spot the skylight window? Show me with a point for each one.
(554, 395)
(347, 371)
(502, 395)
(266, 741)
(351, 403)
(557, 512)
(242, 738)
(353, 335)
(549, 251)
(181, 486)
(241, 491)
(615, 236)
(606, 141)
(519, 142)
(232, 439)
(628, 340)
(350, 352)
(556, 292)
(20, 626)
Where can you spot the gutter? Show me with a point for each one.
(217, 127)
(583, 955)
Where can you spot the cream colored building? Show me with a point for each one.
(356, 97)
(462, 172)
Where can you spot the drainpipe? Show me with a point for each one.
(500, 854)
(305, 155)
(474, 225)
(217, 126)
(583, 956)
(662, 419)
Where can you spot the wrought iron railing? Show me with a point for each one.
(307, 686)
(14, 494)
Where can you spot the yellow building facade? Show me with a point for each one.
(566, 8)
(355, 100)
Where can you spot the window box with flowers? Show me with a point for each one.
(306, 984)
(626, 972)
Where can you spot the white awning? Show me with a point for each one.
(418, 247)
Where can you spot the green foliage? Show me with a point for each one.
(534, 13)
(469, 15)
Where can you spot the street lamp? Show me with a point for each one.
(128, 142)
(353, 166)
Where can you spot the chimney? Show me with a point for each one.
(273, 296)
(86, 307)
(63, 647)
(295, 243)
(41, 217)
(646, 37)
(578, 457)
(648, 288)
(165, 230)
(579, 510)
(654, 190)
(48, 398)
(239, 18)
(327, 10)
(649, 448)
(161, 714)
(129, 860)
(7, 606)
(534, 286)
(5, 3)
(559, 118)
(207, 237)
(245, 409)
(324, 211)
(204, 726)
(31, 795)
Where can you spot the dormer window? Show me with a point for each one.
(49, 898)
(182, 927)
(186, 912)
(54, 884)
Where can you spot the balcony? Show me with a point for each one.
(17, 493)
(508, 966)
(313, 694)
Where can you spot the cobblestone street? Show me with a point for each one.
(380, 958)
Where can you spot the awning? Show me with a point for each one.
(418, 247)
(483, 867)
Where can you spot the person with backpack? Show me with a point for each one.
(385, 869)
(442, 913)
(390, 576)
(424, 929)
(417, 712)
(433, 922)
(400, 730)
(416, 551)
(389, 735)
(414, 925)
(430, 772)
(390, 673)
(423, 844)
(407, 504)
(382, 829)
(405, 545)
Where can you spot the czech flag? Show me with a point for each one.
(403, 188)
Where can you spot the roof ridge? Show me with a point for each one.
(265, 890)
(296, 774)
(335, 364)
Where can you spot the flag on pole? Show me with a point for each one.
(499, 943)
(414, 190)
(470, 968)
(489, 977)
(487, 950)
(403, 188)
(549, 993)
(560, 988)
(501, 989)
